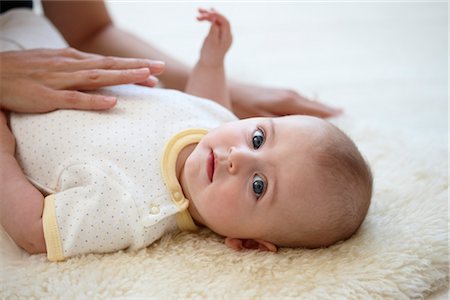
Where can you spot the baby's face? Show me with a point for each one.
(248, 178)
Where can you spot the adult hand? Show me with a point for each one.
(43, 80)
(256, 101)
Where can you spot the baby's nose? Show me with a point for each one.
(238, 159)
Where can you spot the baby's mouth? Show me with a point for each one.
(210, 166)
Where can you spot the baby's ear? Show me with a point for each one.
(240, 244)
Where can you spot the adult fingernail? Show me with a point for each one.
(153, 79)
(158, 64)
(109, 99)
(140, 71)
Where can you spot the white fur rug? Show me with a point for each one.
(386, 65)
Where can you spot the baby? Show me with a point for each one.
(162, 160)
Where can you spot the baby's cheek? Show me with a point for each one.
(229, 202)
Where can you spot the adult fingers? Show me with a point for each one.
(116, 63)
(95, 61)
(78, 100)
(74, 53)
(67, 64)
(152, 81)
(41, 99)
(64, 52)
(69, 59)
(94, 79)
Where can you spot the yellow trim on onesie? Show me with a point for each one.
(168, 167)
(51, 230)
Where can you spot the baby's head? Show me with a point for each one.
(293, 181)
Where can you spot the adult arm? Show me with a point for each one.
(98, 34)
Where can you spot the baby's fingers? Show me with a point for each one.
(207, 17)
(213, 16)
(217, 19)
(221, 20)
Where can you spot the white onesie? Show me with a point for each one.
(110, 175)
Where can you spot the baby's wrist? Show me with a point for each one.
(210, 64)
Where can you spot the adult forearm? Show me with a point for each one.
(127, 45)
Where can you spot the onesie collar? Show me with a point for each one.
(168, 167)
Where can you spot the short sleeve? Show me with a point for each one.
(90, 213)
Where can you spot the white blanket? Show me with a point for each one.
(386, 65)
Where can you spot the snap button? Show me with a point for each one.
(154, 209)
(177, 196)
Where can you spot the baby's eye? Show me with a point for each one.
(258, 186)
(258, 138)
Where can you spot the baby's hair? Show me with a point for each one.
(348, 180)
(345, 191)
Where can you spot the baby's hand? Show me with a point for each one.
(218, 40)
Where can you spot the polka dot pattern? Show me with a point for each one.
(104, 167)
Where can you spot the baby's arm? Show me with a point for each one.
(21, 204)
(208, 79)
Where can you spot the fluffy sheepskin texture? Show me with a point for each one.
(386, 65)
